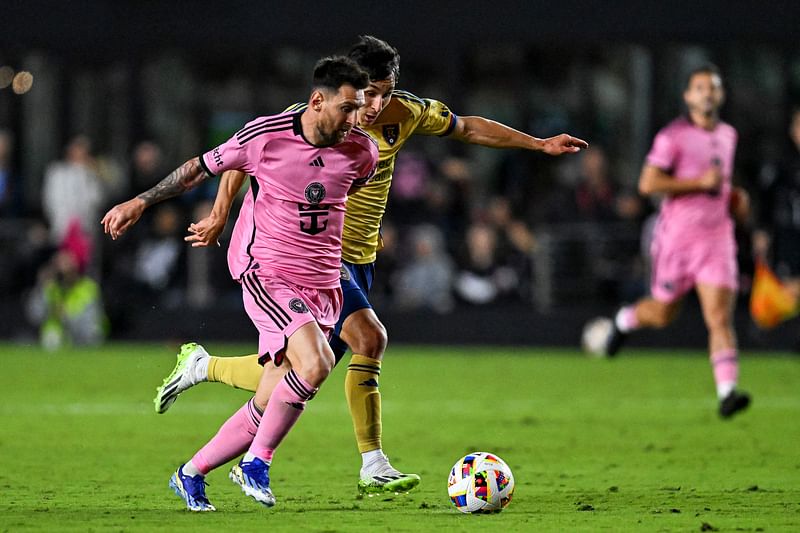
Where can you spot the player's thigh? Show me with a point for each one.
(309, 353)
(363, 331)
(717, 303)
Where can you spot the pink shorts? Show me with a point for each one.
(278, 308)
(678, 267)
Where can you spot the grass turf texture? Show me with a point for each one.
(632, 444)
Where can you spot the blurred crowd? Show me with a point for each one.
(465, 226)
(448, 240)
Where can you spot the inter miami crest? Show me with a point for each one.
(390, 133)
(297, 305)
(315, 193)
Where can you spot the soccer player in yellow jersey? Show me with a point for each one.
(391, 117)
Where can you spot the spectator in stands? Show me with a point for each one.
(426, 282)
(157, 267)
(147, 166)
(66, 304)
(483, 277)
(779, 213)
(8, 182)
(594, 195)
(72, 190)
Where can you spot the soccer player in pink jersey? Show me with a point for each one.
(392, 117)
(690, 165)
(303, 164)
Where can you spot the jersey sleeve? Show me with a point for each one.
(231, 155)
(663, 152)
(437, 119)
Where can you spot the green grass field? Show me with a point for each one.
(627, 445)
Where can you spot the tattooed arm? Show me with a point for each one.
(122, 216)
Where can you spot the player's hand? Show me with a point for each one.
(761, 243)
(122, 216)
(563, 144)
(740, 205)
(205, 232)
(711, 180)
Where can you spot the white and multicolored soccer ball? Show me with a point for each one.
(480, 482)
(596, 333)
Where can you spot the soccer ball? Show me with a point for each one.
(596, 333)
(480, 482)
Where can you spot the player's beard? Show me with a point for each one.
(332, 137)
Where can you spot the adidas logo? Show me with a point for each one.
(318, 162)
(371, 382)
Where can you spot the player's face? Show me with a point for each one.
(376, 97)
(704, 93)
(338, 114)
(794, 129)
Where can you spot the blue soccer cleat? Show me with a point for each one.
(253, 478)
(192, 490)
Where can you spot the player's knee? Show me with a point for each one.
(319, 368)
(718, 320)
(372, 341)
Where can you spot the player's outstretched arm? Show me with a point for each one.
(655, 181)
(206, 232)
(122, 216)
(485, 132)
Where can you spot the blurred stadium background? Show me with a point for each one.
(532, 246)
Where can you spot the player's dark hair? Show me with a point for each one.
(380, 59)
(705, 68)
(334, 71)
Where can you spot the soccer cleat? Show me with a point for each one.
(616, 339)
(192, 490)
(182, 377)
(733, 403)
(253, 478)
(383, 477)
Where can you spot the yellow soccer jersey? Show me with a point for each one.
(404, 116)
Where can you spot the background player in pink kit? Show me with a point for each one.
(690, 164)
(292, 232)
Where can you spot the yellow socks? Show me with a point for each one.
(360, 384)
(364, 400)
(242, 372)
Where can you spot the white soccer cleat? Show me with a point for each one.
(190, 369)
(381, 476)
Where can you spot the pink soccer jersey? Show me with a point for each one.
(292, 217)
(686, 151)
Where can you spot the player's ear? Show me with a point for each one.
(315, 102)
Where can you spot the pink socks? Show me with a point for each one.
(285, 406)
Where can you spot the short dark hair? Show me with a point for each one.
(705, 68)
(334, 71)
(380, 59)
